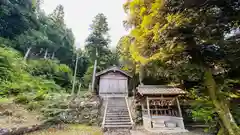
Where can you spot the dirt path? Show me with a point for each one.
(14, 116)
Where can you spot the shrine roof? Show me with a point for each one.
(159, 90)
(113, 69)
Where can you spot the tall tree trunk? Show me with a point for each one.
(74, 76)
(27, 53)
(46, 53)
(141, 74)
(79, 89)
(94, 74)
(53, 55)
(221, 106)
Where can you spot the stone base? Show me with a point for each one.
(147, 122)
(167, 130)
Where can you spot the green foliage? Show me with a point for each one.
(22, 99)
(41, 79)
(97, 43)
(88, 77)
(18, 76)
(24, 25)
(33, 106)
(16, 17)
(54, 105)
(97, 48)
(51, 70)
(202, 110)
(185, 42)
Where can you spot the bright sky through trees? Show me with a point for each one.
(80, 13)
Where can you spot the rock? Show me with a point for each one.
(4, 131)
(18, 121)
(18, 115)
(7, 112)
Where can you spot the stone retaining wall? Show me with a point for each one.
(83, 112)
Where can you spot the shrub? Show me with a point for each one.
(52, 70)
(22, 99)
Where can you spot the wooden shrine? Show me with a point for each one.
(112, 82)
(160, 107)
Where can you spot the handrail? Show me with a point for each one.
(105, 113)
(130, 115)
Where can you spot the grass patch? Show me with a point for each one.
(71, 130)
(6, 100)
(82, 93)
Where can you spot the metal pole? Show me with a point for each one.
(74, 79)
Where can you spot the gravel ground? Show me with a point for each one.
(118, 132)
(142, 132)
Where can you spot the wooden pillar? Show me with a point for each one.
(179, 108)
(148, 108)
(149, 113)
(142, 105)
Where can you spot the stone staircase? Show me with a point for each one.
(117, 113)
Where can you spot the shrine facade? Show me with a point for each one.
(160, 108)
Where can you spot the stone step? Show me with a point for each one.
(115, 110)
(116, 106)
(119, 108)
(117, 115)
(118, 126)
(118, 112)
(118, 123)
(118, 120)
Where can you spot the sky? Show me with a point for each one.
(80, 13)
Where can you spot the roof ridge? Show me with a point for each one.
(112, 68)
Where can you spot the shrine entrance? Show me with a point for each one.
(160, 107)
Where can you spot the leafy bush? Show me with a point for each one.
(17, 76)
(51, 70)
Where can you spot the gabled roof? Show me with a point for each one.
(159, 90)
(114, 69)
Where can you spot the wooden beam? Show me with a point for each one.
(157, 98)
(179, 108)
